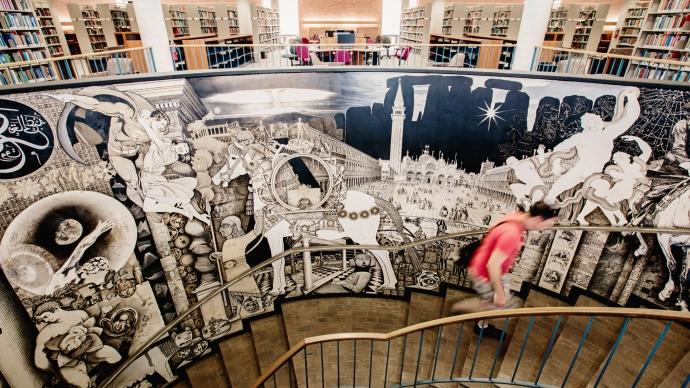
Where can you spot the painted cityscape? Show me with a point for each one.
(124, 205)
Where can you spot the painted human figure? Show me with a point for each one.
(71, 339)
(593, 145)
(70, 268)
(125, 142)
(233, 254)
(531, 188)
(626, 173)
(160, 193)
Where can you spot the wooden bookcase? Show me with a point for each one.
(201, 19)
(265, 28)
(92, 33)
(478, 20)
(228, 22)
(664, 35)
(51, 29)
(454, 19)
(628, 27)
(21, 40)
(589, 25)
(176, 20)
(505, 22)
(415, 28)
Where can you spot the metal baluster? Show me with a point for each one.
(655, 348)
(476, 352)
(549, 348)
(371, 357)
(385, 373)
(354, 362)
(534, 57)
(612, 353)
(498, 347)
(419, 356)
(322, 376)
(530, 326)
(402, 363)
(458, 342)
(438, 346)
(306, 368)
(579, 349)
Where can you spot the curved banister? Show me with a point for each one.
(620, 312)
(469, 233)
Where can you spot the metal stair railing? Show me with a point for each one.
(296, 360)
(340, 248)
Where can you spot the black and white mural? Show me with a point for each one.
(123, 205)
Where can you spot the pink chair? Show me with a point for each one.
(343, 56)
(402, 54)
(302, 53)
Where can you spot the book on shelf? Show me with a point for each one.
(13, 21)
(18, 5)
(673, 5)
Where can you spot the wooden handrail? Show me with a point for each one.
(476, 232)
(640, 313)
(618, 56)
(35, 62)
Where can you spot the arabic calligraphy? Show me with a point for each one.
(26, 140)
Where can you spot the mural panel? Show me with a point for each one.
(123, 205)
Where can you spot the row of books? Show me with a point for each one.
(636, 12)
(15, 39)
(669, 55)
(21, 56)
(30, 74)
(664, 22)
(12, 20)
(20, 5)
(666, 40)
(671, 5)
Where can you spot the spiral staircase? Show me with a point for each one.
(577, 341)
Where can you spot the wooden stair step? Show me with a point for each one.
(679, 374)
(240, 360)
(600, 338)
(346, 315)
(419, 350)
(479, 361)
(453, 344)
(208, 372)
(635, 346)
(523, 356)
(270, 342)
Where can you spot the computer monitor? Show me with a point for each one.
(346, 38)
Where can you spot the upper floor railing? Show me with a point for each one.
(71, 67)
(452, 350)
(270, 56)
(279, 56)
(303, 255)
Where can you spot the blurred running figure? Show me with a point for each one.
(493, 259)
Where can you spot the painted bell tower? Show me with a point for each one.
(398, 120)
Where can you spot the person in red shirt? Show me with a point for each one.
(495, 256)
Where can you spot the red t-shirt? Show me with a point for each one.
(506, 237)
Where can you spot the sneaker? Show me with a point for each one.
(490, 331)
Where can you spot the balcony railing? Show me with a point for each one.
(432, 352)
(569, 61)
(304, 255)
(229, 56)
(101, 64)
